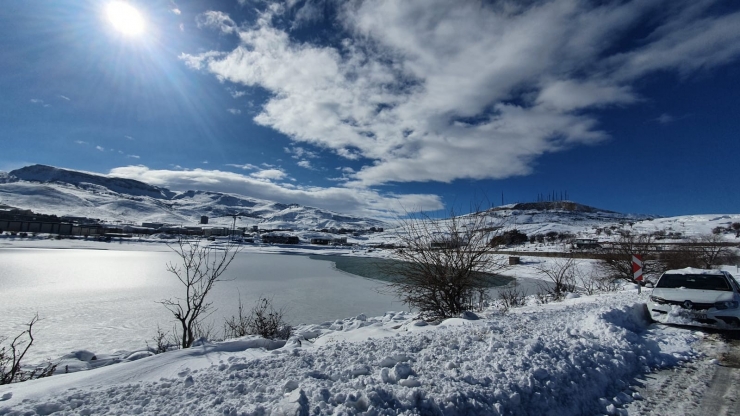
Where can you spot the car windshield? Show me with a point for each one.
(694, 281)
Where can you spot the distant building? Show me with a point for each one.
(216, 231)
(273, 238)
(585, 243)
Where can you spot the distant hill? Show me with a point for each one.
(52, 190)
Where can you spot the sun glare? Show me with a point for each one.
(125, 18)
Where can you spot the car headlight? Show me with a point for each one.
(658, 300)
(729, 304)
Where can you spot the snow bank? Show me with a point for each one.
(575, 357)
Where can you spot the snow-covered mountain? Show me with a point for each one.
(51, 190)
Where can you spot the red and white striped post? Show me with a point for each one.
(637, 270)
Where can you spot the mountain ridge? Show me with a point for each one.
(49, 189)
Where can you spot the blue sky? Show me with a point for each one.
(371, 107)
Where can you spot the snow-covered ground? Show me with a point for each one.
(579, 356)
(585, 355)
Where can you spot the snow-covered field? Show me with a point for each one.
(581, 356)
(585, 355)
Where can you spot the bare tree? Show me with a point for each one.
(703, 252)
(616, 260)
(445, 264)
(711, 251)
(199, 268)
(11, 357)
(561, 274)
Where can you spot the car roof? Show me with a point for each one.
(692, 270)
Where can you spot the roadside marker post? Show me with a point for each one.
(637, 271)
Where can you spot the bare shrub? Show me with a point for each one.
(200, 267)
(445, 264)
(561, 274)
(239, 325)
(11, 358)
(163, 341)
(588, 284)
(263, 320)
(266, 321)
(512, 297)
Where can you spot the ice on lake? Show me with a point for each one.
(105, 300)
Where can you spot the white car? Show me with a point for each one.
(688, 296)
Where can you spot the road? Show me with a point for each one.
(721, 398)
(708, 386)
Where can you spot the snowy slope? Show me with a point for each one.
(581, 356)
(50, 190)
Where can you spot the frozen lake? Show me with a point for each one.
(105, 300)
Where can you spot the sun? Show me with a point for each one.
(125, 18)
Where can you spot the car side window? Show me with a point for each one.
(733, 282)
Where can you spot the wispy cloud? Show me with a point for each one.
(247, 166)
(362, 202)
(436, 90)
(100, 148)
(234, 111)
(64, 98)
(216, 20)
(133, 156)
(236, 93)
(129, 137)
(298, 152)
(665, 118)
(40, 102)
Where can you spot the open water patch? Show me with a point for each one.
(383, 269)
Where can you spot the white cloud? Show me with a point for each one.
(216, 20)
(36, 101)
(65, 98)
(80, 142)
(176, 11)
(129, 137)
(305, 164)
(438, 90)
(270, 174)
(197, 62)
(234, 111)
(101, 148)
(362, 202)
(133, 156)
